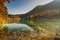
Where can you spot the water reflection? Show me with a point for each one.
(15, 26)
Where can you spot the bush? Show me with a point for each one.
(5, 28)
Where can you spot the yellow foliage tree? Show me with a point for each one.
(2, 21)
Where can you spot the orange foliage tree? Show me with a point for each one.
(3, 1)
(3, 12)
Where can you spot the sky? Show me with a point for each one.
(24, 6)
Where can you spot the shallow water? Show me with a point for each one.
(15, 26)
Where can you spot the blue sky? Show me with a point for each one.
(24, 6)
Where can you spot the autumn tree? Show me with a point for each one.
(3, 12)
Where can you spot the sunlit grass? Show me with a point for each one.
(43, 31)
(51, 25)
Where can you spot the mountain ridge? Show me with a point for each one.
(48, 10)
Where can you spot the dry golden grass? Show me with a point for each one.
(40, 34)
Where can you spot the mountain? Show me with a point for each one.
(50, 11)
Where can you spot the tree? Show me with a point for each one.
(3, 12)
